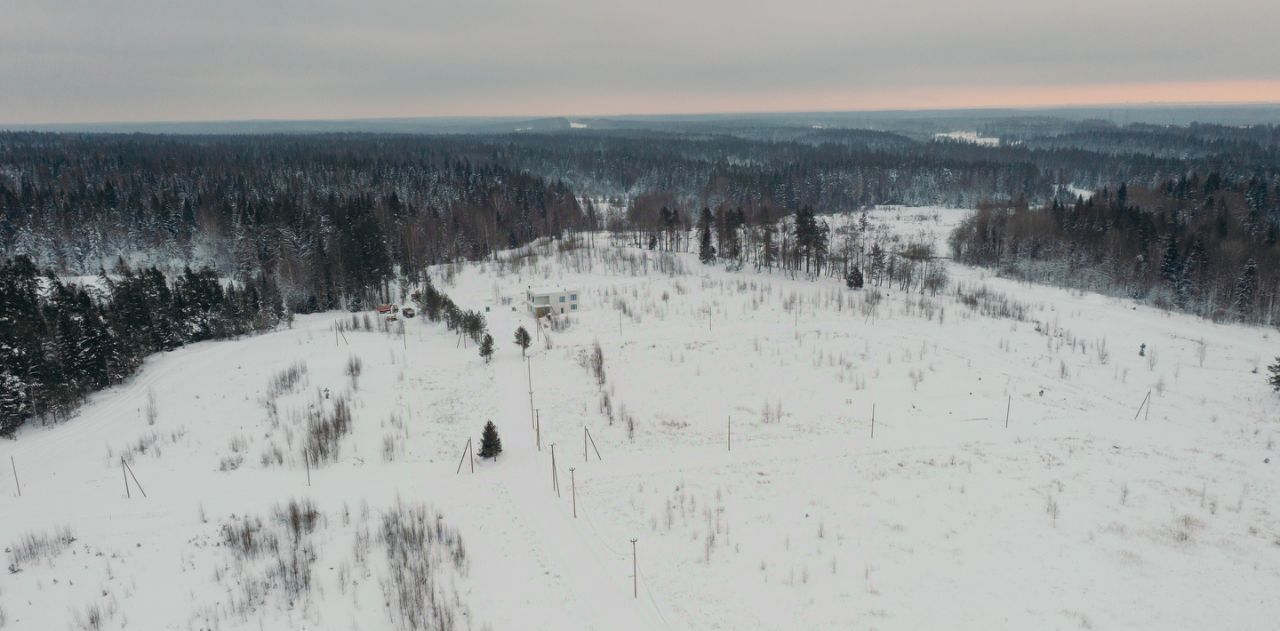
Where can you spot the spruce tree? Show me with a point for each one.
(523, 340)
(13, 400)
(706, 252)
(486, 348)
(1246, 289)
(490, 444)
(853, 279)
(1170, 265)
(1274, 379)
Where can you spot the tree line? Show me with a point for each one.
(437, 306)
(1202, 244)
(62, 341)
(331, 218)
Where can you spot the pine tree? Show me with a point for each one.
(1274, 380)
(853, 279)
(486, 348)
(523, 340)
(490, 444)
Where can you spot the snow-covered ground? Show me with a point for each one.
(1084, 512)
(971, 137)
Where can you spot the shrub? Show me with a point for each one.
(36, 546)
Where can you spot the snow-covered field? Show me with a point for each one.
(1088, 510)
(971, 137)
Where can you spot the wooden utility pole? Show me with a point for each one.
(529, 372)
(125, 475)
(306, 458)
(15, 475)
(1008, 407)
(586, 435)
(1144, 404)
(730, 435)
(132, 475)
(635, 574)
(573, 490)
(555, 479)
(873, 420)
(537, 428)
(466, 450)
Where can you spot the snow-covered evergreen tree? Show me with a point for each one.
(523, 340)
(1245, 294)
(706, 251)
(853, 279)
(490, 444)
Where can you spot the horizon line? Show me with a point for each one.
(675, 115)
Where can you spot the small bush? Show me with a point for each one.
(285, 381)
(325, 430)
(299, 516)
(417, 543)
(597, 364)
(247, 538)
(34, 547)
(354, 367)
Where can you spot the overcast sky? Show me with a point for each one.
(165, 60)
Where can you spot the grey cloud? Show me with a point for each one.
(65, 60)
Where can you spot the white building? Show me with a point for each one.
(543, 302)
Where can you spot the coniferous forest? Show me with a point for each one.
(1197, 244)
(62, 341)
(116, 246)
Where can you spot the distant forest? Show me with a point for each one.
(1200, 244)
(329, 218)
(185, 238)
